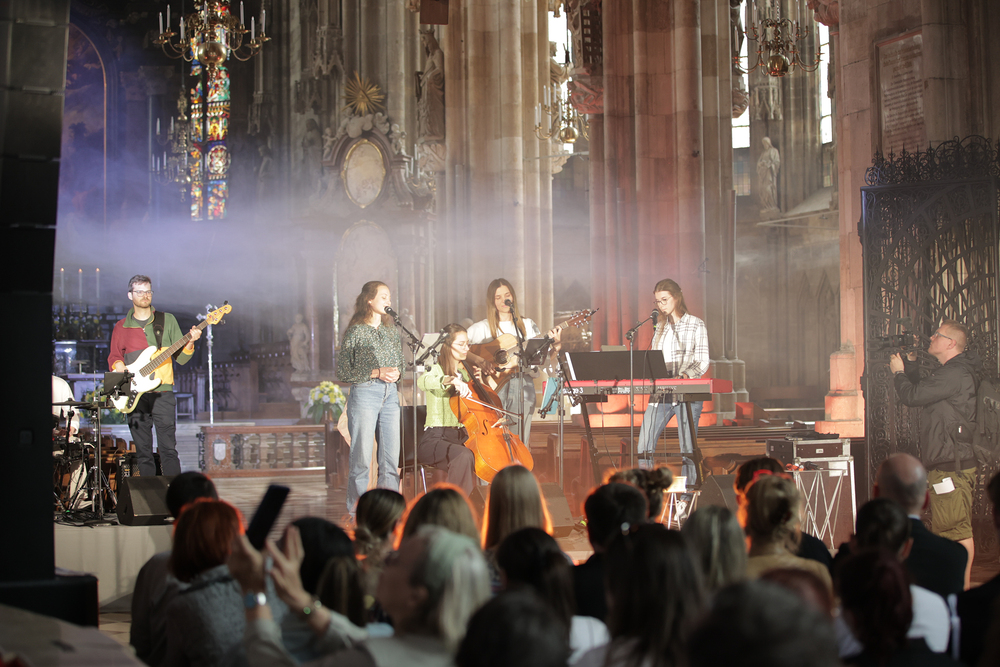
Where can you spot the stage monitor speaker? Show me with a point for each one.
(562, 518)
(142, 501)
(718, 490)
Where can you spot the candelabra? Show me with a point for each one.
(564, 122)
(777, 41)
(212, 34)
(173, 165)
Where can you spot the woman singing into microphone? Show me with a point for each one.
(371, 359)
(442, 442)
(518, 394)
(684, 341)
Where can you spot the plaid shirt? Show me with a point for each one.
(684, 345)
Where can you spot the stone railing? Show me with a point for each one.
(263, 451)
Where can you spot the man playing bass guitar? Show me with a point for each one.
(130, 337)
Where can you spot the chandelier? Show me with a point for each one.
(777, 41)
(212, 34)
(563, 121)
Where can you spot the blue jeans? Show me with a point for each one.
(655, 420)
(372, 414)
(519, 385)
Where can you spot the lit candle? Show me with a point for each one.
(157, 127)
(171, 125)
(182, 28)
(62, 284)
(80, 273)
(538, 114)
(161, 23)
(168, 17)
(98, 285)
(253, 29)
(263, 20)
(241, 14)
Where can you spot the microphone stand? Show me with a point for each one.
(520, 360)
(414, 344)
(630, 335)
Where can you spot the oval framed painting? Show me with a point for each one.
(363, 173)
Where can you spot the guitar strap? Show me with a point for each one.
(158, 328)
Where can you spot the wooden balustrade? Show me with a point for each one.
(262, 451)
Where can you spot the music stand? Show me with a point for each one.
(535, 351)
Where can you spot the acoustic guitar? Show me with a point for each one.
(503, 351)
(143, 369)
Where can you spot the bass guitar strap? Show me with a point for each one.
(158, 320)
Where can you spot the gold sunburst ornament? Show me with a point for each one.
(363, 97)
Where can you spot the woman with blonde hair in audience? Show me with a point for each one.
(515, 502)
(430, 588)
(773, 507)
(444, 505)
(716, 539)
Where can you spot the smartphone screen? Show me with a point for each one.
(266, 514)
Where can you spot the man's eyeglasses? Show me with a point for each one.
(941, 335)
(142, 292)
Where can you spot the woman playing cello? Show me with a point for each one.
(518, 394)
(443, 441)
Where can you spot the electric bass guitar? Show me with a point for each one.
(503, 351)
(143, 369)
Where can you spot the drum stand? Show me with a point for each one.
(96, 481)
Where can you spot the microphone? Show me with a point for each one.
(391, 313)
(655, 315)
(508, 303)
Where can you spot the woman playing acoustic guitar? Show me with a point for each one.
(518, 393)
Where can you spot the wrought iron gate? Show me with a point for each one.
(929, 238)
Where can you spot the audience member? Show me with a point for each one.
(515, 502)
(760, 624)
(773, 506)
(430, 588)
(653, 483)
(655, 595)
(444, 505)
(531, 558)
(714, 535)
(883, 525)
(876, 605)
(806, 585)
(377, 522)
(204, 624)
(155, 586)
(606, 509)
(514, 628)
(810, 546)
(978, 605)
(935, 563)
(328, 574)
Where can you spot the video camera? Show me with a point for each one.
(906, 341)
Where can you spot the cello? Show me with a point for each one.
(495, 447)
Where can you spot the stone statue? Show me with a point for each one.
(265, 174)
(329, 139)
(312, 157)
(767, 177)
(298, 344)
(558, 73)
(430, 105)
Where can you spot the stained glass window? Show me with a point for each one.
(209, 154)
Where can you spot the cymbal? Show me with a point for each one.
(79, 404)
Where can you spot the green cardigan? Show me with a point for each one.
(438, 396)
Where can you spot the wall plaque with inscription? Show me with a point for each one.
(901, 93)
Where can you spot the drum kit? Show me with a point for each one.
(79, 482)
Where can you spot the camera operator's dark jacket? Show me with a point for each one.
(948, 399)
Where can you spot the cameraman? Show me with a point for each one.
(948, 398)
